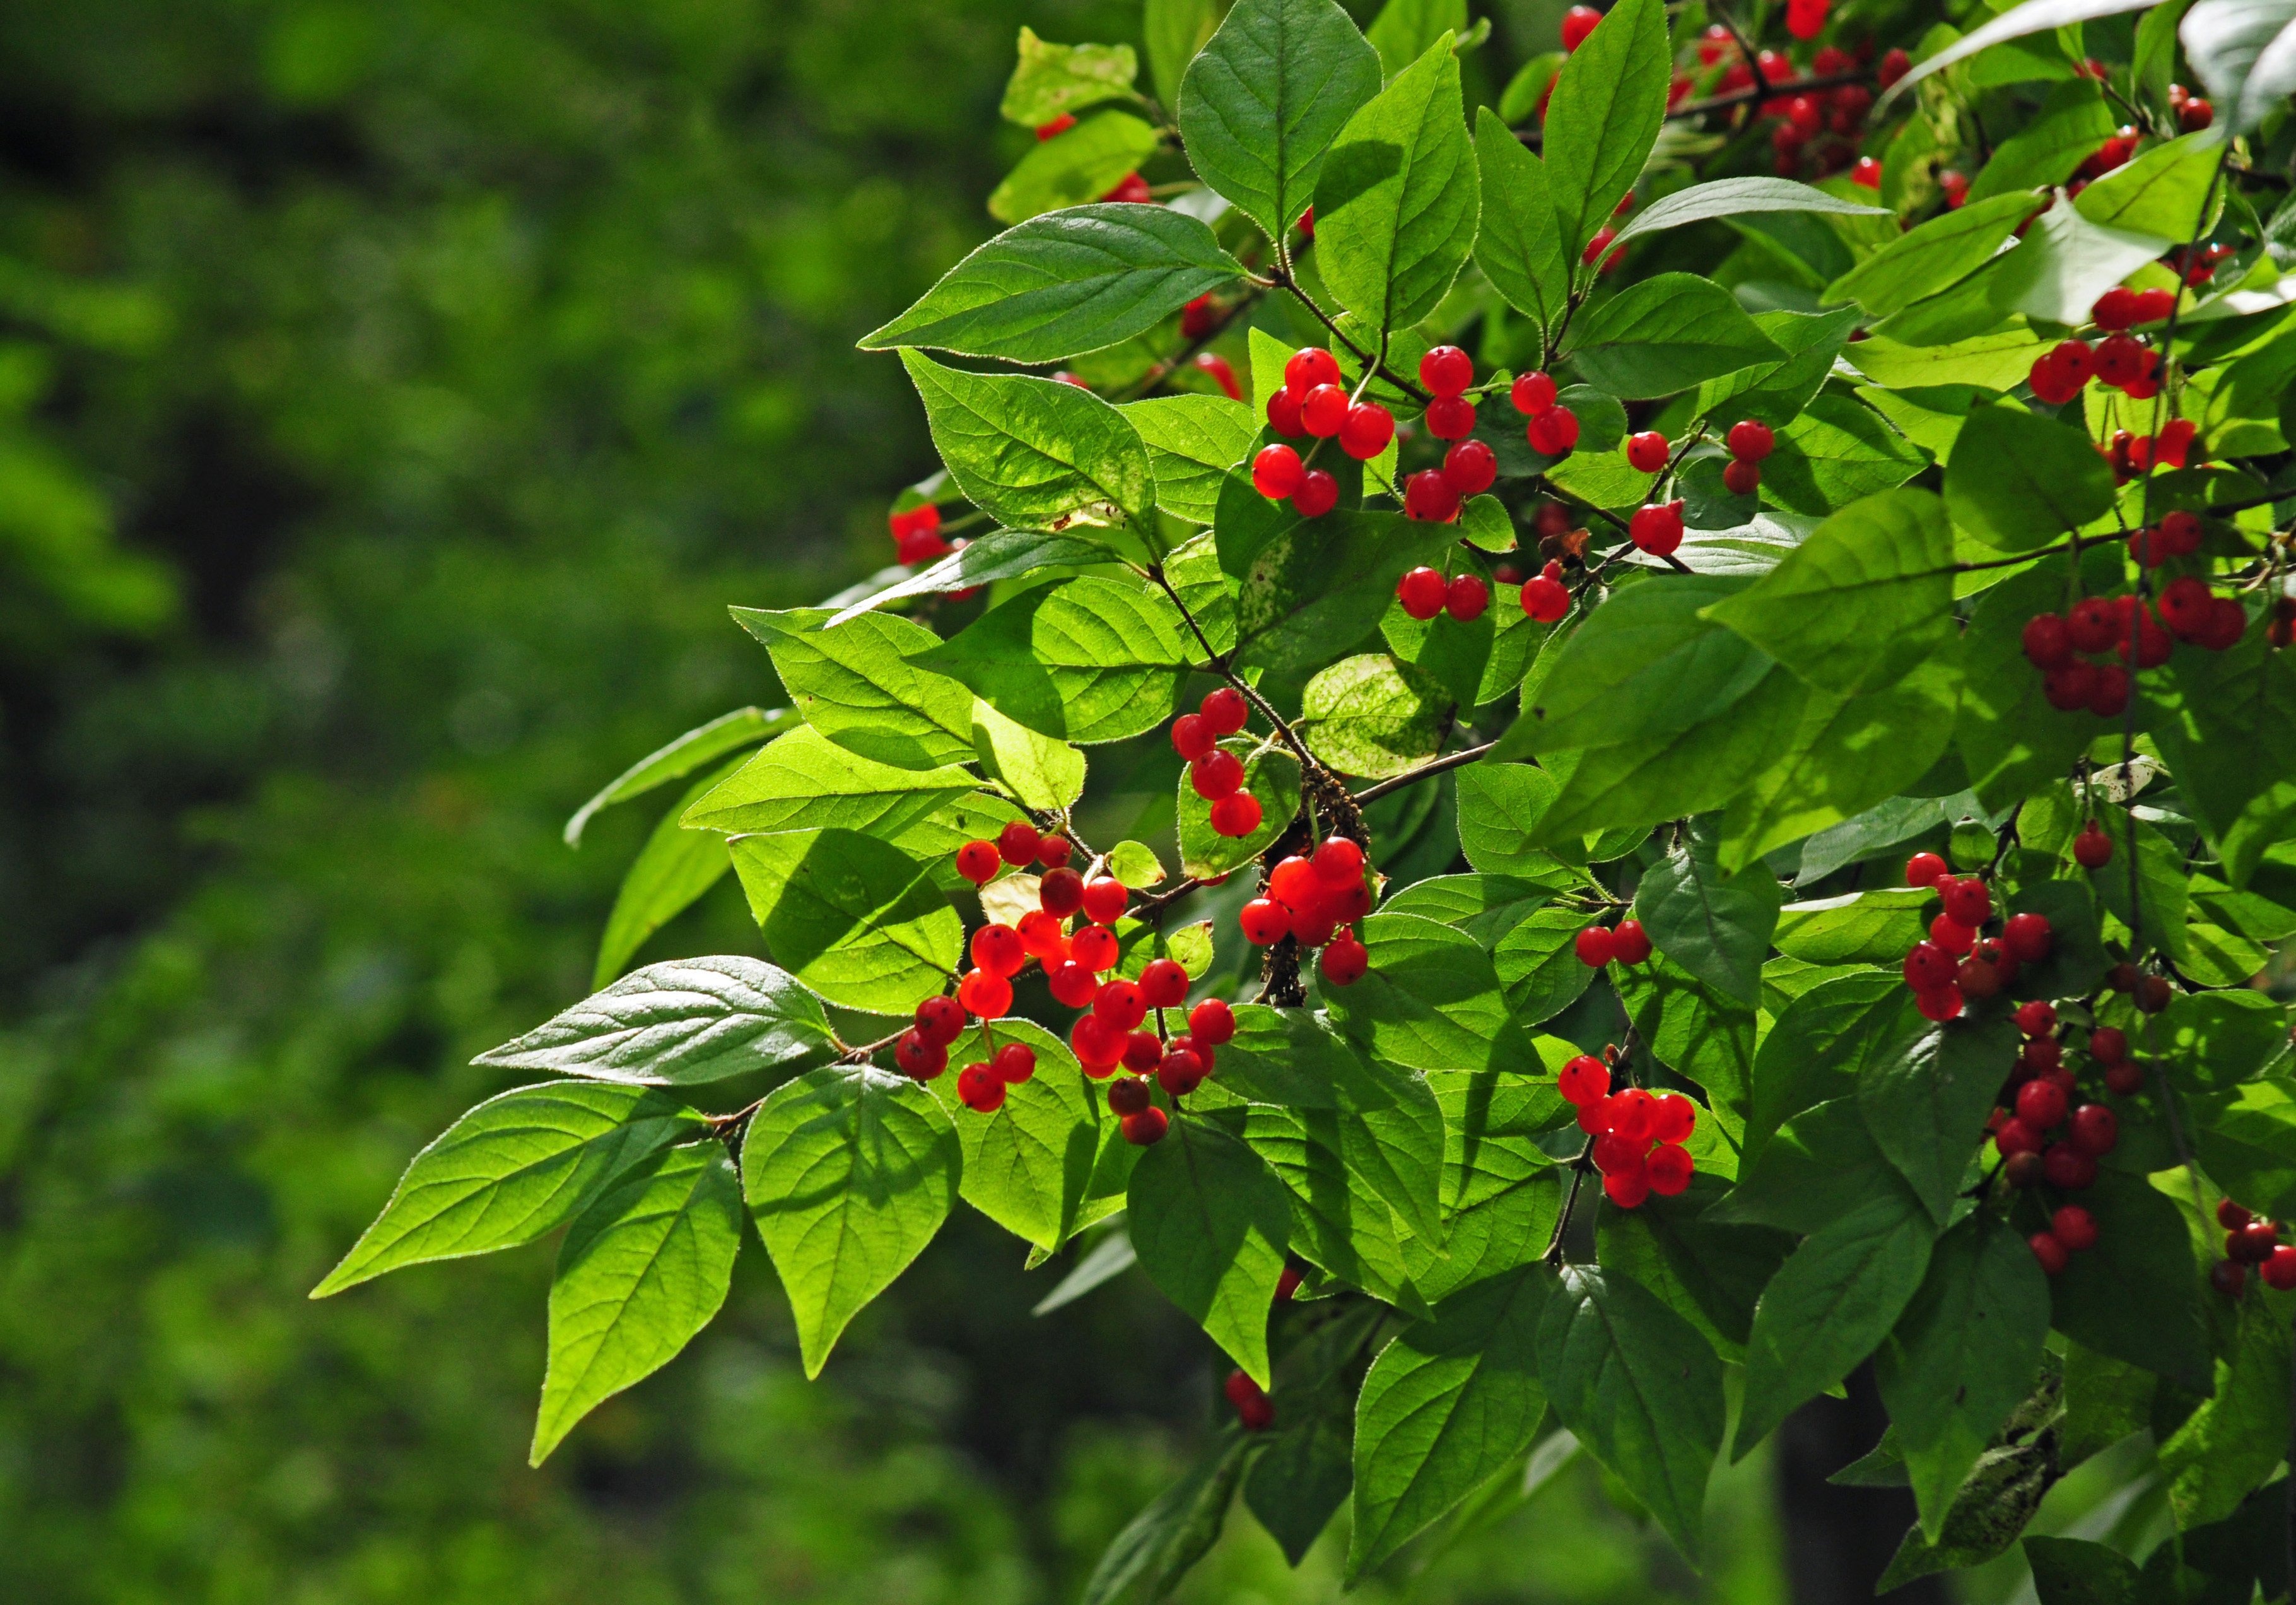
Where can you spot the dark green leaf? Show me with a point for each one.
(1065, 282)
(1819, 1166)
(857, 919)
(1836, 451)
(1210, 1222)
(1405, 29)
(1708, 1273)
(1933, 257)
(1664, 335)
(1641, 1388)
(1174, 31)
(1822, 1045)
(1396, 200)
(2076, 1571)
(2008, 735)
(642, 1271)
(1538, 962)
(1160, 1545)
(1266, 99)
(1306, 1465)
(1430, 1002)
(2017, 480)
(2136, 1294)
(848, 1171)
(1619, 677)
(1608, 105)
(2242, 792)
(1717, 927)
(2234, 1439)
(1926, 1102)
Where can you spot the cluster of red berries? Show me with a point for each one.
(2109, 626)
(1749, 442)
(916, 534)
(1315, 899)
(1545, 597)
(1818, 129)
(2250, 1239)
(2193, 111)
(1072, 966)
(1425, 593)
(1638, 1135)
(1216, 773)
(2199, 265)
(1957, 961)
(923, 1054)
(1253, 1411)
(1627, 942)
(2121, 359)
(1553, 429)
(1111, 1035)
(1313, 403)
(2040, 1101)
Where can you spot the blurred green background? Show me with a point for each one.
(392, 397)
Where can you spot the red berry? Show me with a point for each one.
(939, 1019)
(1545, 600)
(1978, 976)
(2074, 1227)
(1053, 851)
(1043, 935)
(1584, 1079)
(1318, 494)
(918, 1057)
(1344, 961)
(979, 1089)
(1014, 1063)
(1098, 1044)
(1446, 371)
(1924, 869)
(1950, 935)
(1669, 1169)
(2280, 1270)
(1119, 1003)
(1369, 427)
(1895, 64)
(1674, 1118)
(2027, 937)
(1212, 1022)
(1236, 815)
(2041, 1055)
(1191, 737)
(1146, 1128)
(2115, 309)
(2095, 1130)
(1252, 1406)
(1577, 22)
(1553, 432)
(1338, 862)
(1627, 1189)
(1967, 901)
(1647, 452)
(1429, 498)
(986, 995)
(1741, 478)
(2124, 1078)
(1104, 897)
(1941, 1004)
(1630, 942)
(1310, 368)
(1094, 948)
(1060, 892)
(1017, 843)
(2093, 849)
(1179, 1072)
(1225, 710)
(1596, 246)
(1656, 529)
(2155, 305)
(2040, 1104)
(1129, 1095)
(2107, 1045)
(1450, 417)
(1421, 592)
(1283, 414)
(2067, 1168)
(1265, 921)
(1471, 467)
(2012, 1137)
(2048, 643)
(1596, 946)
(996, 949)
(1217, 774)
(2053, 1255)
(1466, 597)
(1144, 1050)
(1533, 393)
(1928, 967)
(1276, 472)
(1322, 410)
(2036, 1018)
(1751, 440)
(2093, 624)
(1293, 883)
(1163, 984)
(978, 861)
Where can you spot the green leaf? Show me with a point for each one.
(1136, 865)
(1396, 200)
(1373, 716)
(1639, 1386)
(2032, 17)
(1305, 1468)
(999, 554)
(642, 1271)
(1271, 774)
(857, 683)
(1933, 257)
(1430, 1001)
(1822, 1045)
(1040, 772)
(857, 919)
(1702, 1034)
(2161, 876)
(1447, 1405)
(1716, 925)
(2223, 1039)
(1071, 168)
(519, 1165)
(1819, 1166)
(2065, 263)
(1619, 677)
(1049, 79)
(2071, 123)
(1338, 1223)
(1829, 1306)
(1500, 805)
(1926, 1104)
(1088, 660)
(2246, 1140)
(684, 1023)
(1836, 451)
(1664, 335)
(2017, 480)
(1604, 115)
(1203, 589)
(1266, 99)
(1065, 282)
(2079, 1571)
(1857, 927)
(2232, 1441)
(1174, 31)
(848, 1171)
(1963, 1356)
(1861, 602)
(1193, 442)
(1406, 30)
(673, 869)
(726, 732)
(1734, 198)
(1210, 1222)
(1487, 906)
(1996, 360)
(1500, 1195)
(1034, 453)
(1775, 392)
(804, 779)
(1160, 1545)
(1051, 1148)
(1708, 1273)
(1518, 246)
(2136, 1294)
(2245, 51)
(1846, 755)
(1538, 963)
(2205, 718)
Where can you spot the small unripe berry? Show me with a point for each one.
(1446, 371)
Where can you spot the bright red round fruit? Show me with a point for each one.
(1044, 936)
(2027, 937)
(1145, 1129)
(2046, 642)
(1094, 948)
(1338, 862)
(1322, 410)
(2036, 1018)
(1225, 709)
(2280, 1270)
(1421, 591)
(1471, 467)
(1318, 494)
(1750, 441)
(1648, 451)
(1450, 417)
(1533, 393)
(1129, 1095)
(1545, 600)
(1217, 774)
(1949, 933)
(2053, 1255)
(978, 862)
(1584, 1079)
(1144, 1050)
(2040, 1104)
(1741, 478)
(1119, 1003)
(2109, 1045)
(1446, 371)
(1212, 1022)
(1669, 1169)
(1060, 892)
(2095, 1130)
(1924, 869)
(1283, 414)
(996, 949)
(1630, 942)
(1552, 433)
(1192, 737)
(1164, 984)
(1656, 529)
(1344, 961)
(1104, 897)
(1967, 902)
(939, 1019)
(1928, 967)
(986, 995)
(1596, 946)
(1053, 851)
(1277, 472)
(1675, 1118)
(1014, 1063)
(1943, 1003)
(979, 1089)
(1466, 597)
(918, 1058)
(1016, 844)
(1265, 921)
(1429, 498)
(1236, 815)
(1098, 1044)
(1310, 368)
(1577, 22)
(1369, 427)
(2093, 849)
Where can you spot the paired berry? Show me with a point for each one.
(1577, 22)
(1657, 528)
(1553, 432)
(1545, 597)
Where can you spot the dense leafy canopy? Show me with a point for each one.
(1779, 696)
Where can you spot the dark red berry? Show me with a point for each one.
(1129, 1095)
(941, 1020)
(1596, 946)
(1217, 774)
(1060, 892)
(1146, 1128)
(2053, 1253)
